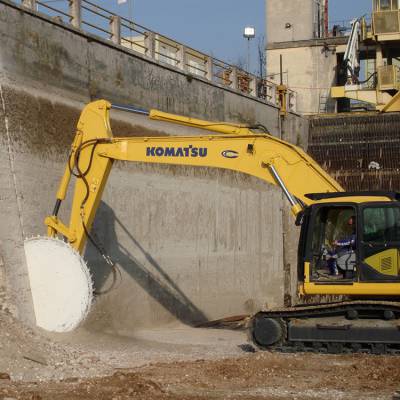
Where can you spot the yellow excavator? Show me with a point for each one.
(367, 271)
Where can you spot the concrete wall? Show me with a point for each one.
(309, 62)
(298, 13)
(38, 50)
(191, 244)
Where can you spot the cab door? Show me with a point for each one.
(328, 224)
(380, 243)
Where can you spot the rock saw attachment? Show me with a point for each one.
(61, 284)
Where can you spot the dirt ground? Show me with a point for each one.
(180, 363)
(261, 375)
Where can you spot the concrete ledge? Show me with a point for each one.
(332, 41)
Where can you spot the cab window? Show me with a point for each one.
(380, 250)
(385, 5)
(331, 257)
(381, 224)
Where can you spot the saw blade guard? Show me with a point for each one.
(60, 282)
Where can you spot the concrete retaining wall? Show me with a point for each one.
(191, 244)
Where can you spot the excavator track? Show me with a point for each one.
(345, 327)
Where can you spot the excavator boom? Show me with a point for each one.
(260, 155)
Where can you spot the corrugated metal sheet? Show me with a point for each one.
(361, 151)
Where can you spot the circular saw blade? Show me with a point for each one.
(61, 284)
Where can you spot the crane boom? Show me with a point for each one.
(351, 56)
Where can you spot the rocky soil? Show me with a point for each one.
(252, 376)
(180, 363)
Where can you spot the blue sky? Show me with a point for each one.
(216, 26)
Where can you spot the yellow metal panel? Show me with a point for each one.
(393, 105)
(388, 37)
(307, 274)
(355, 199)
(367, 95)
(386, 262)
(345, 289)
(355, 289)
(337, 92)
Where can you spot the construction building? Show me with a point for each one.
(297, 31)
(371, 62)
(359, 60)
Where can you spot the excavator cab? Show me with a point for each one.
(331, 226)
(365, 252)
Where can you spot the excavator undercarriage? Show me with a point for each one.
(343, 327)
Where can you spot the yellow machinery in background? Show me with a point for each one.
(370, 271)
(381, 39)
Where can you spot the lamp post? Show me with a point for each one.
(249, 33)
(130, 9)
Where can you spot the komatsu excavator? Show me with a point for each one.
(368, 271)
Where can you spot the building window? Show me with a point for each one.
(385, 5)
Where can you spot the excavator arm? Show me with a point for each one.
(260, 155)
(60, 281)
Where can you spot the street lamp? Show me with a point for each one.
(249, 33)
(130, 4)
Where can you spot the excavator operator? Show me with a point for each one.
(342, 247)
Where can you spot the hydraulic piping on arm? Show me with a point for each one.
(296, 206)
(214, 126)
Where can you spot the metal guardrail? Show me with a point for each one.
(343, 27)
(96, 20)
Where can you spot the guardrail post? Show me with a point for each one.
(292, 106)
(233, 77)
(209, 68)
(75, 18)
(149, 43)
(75, 13)
(252, 86)
(115, 25)
(260, 89)
(31, 4)
(274, 95)
(182, 58)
